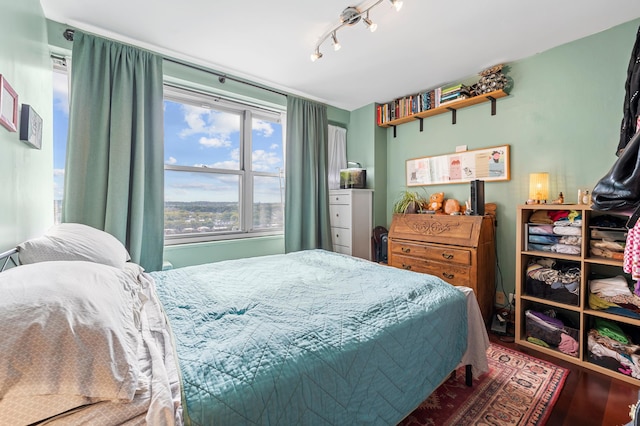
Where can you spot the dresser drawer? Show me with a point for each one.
(341, 236)
(339, 199)
(433, 252)
(453, 274)
(340, 215)
(342, 249)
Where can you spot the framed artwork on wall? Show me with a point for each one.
(8, 105)
(487, 164)
(30, 127)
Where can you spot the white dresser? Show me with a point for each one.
(351, 221)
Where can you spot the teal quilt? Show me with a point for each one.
(310, 338)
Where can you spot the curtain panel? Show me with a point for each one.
(114, 177)
(307, 223)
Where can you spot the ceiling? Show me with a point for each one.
(426, 44)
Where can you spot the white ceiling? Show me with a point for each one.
(426, 44)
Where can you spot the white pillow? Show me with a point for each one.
(68, 329)
(74, 241)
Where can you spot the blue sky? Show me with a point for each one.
(60, 130)
(194, 136)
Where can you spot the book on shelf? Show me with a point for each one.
(457, 98)
(453, 88)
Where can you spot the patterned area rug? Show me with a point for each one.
(518, 390)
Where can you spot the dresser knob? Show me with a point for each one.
(405, 249)
(447, 275)
(337, 235)
(447, 256)
(407, 267)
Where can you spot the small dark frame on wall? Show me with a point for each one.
(8, 105)
(30, 127)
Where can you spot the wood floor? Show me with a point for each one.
(588, 398)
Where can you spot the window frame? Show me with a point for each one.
(247, 112)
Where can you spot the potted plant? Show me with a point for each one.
(410, 202)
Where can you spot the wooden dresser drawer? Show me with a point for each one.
(433, 252)
(453, 274)
(340, 215)
(341, 236)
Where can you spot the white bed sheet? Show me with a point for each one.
(477, 337)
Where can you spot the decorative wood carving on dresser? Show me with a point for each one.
(458, 249)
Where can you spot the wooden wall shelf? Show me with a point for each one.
(449, 107)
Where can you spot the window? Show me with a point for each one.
(224, 168)
(60, 131)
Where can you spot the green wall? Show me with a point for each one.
(26, 204)
(562, 116)
(366, 144)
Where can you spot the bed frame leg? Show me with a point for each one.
(468, 379)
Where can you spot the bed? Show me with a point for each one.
(311, 337)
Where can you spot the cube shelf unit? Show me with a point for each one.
(580, 315)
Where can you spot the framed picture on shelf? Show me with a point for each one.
(8, 105)
(30, 127)
(487, 164)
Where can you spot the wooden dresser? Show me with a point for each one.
(458, 249)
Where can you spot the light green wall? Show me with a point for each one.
(366, 144)
(562, 116)
(26, 204)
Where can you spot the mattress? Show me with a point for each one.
(311, 337)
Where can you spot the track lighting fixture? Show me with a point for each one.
(351, 16)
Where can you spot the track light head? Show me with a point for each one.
(316, 55)
(336, 43)
(397, 4)
(369, 23)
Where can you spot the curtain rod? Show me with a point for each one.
(68, 35)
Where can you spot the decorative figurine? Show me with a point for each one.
(559, 200)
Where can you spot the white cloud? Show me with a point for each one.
(171, 160)
(58, 172)
(214, 142)
(216, 125)
(263, 160)
(274, 146)
(263, 126)
(61, 92)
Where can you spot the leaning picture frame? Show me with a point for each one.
(30, 127)
(487, 164)
(8, 105)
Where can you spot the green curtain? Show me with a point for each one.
(114, 177)
(306, 223)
